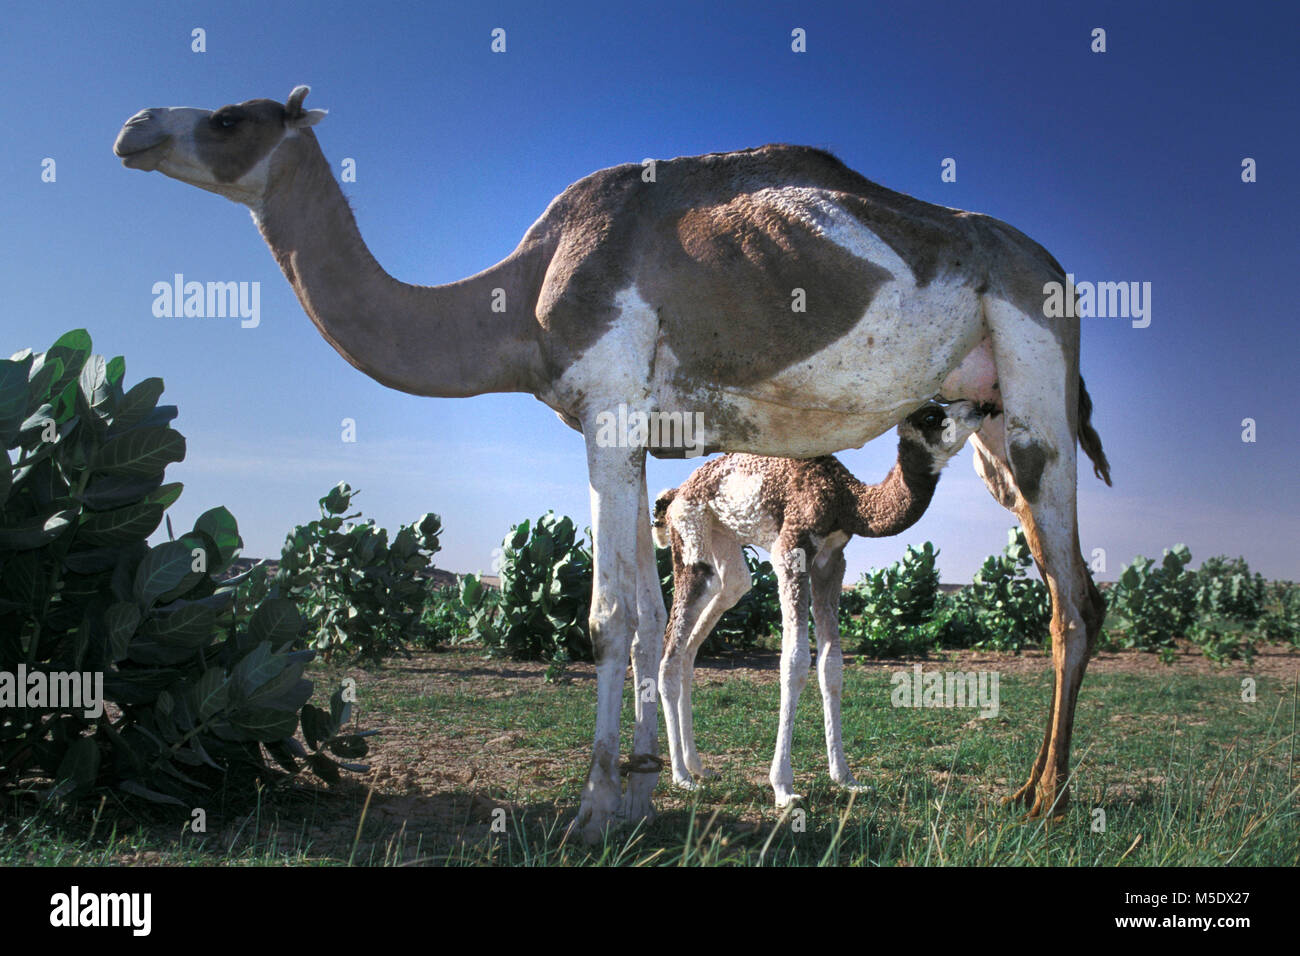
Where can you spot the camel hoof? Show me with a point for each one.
(685, 783)
(637, 805)
(597, 814)
(789, 800)
(588, 827)
(1023, 797)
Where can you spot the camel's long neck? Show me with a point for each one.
(898, 502)
(465, 338)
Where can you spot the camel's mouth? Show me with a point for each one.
(139, 144)
(146, 158)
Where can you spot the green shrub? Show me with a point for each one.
(361, 595)
(1280, 621)
(1225, 588)
(541, 610)
(1003, 608)
(1152, 604)
(445, 620)
(895, 607)
(1223, 639)
(194, 689)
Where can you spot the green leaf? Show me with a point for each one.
(116, 370)
(255, 668)
(324, 767)
(165, 495)
(36, 532)
(71, 349)
(13, 397)
(115, 491)
(137, 789)
(349, 745)
(162, 569)
(220, 525)
(142, 452)
(211, 693)
(6, 476)
(121, 525)
(122, 619)
(316, 726)
(79, 766)
(44, 370)
(338, 499)
(189, 626)
(93, 381)
(264, 723)
(138, 402)
(276, 620)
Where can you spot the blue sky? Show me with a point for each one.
(1125, 165)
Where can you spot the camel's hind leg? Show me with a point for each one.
(827, 575)
(704, 588)
(1028, 459)
(729, 560)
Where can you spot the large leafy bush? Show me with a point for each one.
(541, 610)
(1003, 608)
(192, 688)
(1152, 604)
(446, 620)
(1226, 588)
(890, 611)
(361, 595)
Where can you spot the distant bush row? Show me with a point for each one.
(540, 611)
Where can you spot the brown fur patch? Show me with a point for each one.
(1028, 459)
(232, 151)
(719, 263)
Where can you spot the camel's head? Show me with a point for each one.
(942, 430)
(227, 151)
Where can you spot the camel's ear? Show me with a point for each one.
(309, 118)
(295, 116)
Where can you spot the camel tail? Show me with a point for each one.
(660, 524)
(1089, 440)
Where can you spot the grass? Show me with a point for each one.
(481, 762)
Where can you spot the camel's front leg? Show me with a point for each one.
(617, 490)
(827, 581)
(793, 587)
(647, 648)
